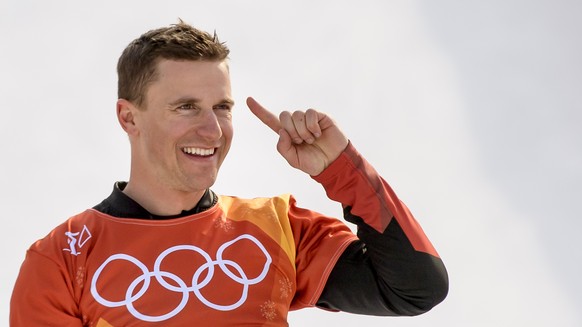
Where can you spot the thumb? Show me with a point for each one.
(286, 148)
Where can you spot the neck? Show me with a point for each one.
(162, 201)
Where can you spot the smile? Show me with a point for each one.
(199, 151)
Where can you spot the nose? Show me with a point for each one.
(208, 126)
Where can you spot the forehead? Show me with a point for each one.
(191, 71)
(203, 78)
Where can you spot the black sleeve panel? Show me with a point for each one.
(382, 274)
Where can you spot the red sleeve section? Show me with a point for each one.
(351, 180)
(319, 242)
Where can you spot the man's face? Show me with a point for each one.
(185, 126)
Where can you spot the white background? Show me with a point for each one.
(471, 110)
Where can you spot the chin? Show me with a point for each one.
(199, 185)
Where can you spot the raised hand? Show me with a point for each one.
(309, 140)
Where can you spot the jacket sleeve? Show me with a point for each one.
(393, 269)
(43, 295)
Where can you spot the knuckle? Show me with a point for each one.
(284, 114)
(298, 115)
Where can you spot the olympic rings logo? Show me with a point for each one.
(197, 285)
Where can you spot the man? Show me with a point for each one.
(163, 249)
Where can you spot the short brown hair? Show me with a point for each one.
(136, 67)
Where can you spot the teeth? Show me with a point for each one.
(199, 151)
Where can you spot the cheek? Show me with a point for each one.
(227, 130)
(162, 138)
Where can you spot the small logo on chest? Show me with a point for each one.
(77, 240)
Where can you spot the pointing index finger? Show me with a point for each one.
(267, 117)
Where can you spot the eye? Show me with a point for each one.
(223, 106)
(186, 106)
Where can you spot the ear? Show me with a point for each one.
(126, 116)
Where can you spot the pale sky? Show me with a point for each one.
(470, 110)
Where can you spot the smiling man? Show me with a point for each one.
(179, 135)
(164, 249)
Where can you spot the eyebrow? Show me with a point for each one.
(228, 101)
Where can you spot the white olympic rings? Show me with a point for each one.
(182, 287)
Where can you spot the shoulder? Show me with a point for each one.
(68, 236)
(269, 213)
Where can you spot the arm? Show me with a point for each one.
(43, 295)
(393, 269)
